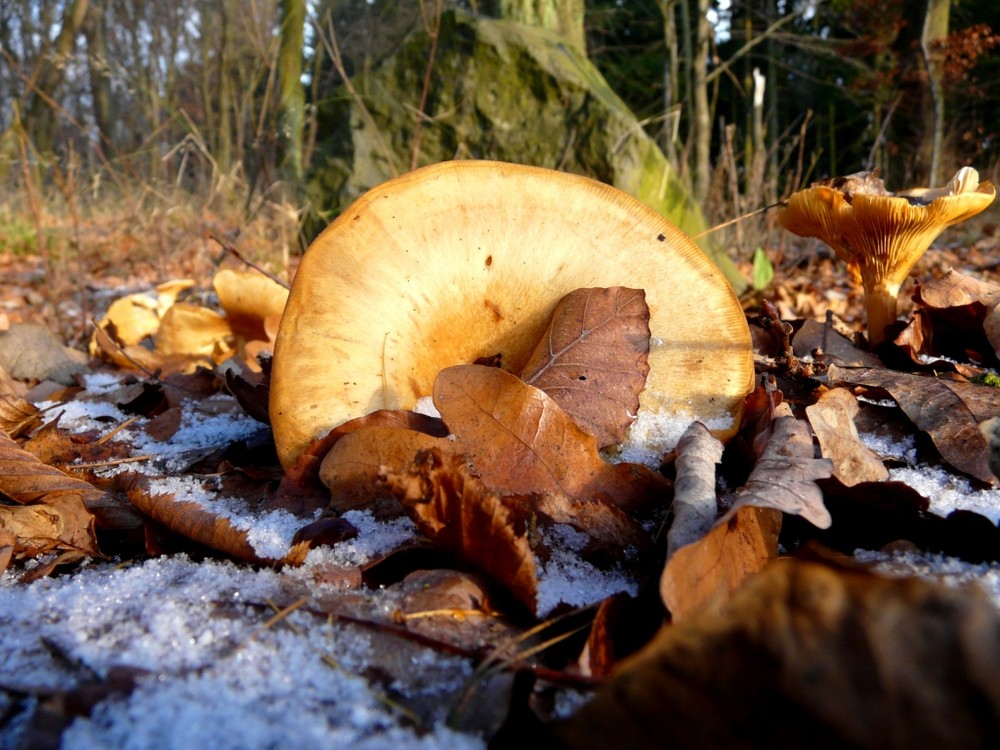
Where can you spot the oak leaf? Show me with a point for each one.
(593, 359)
(784, 478)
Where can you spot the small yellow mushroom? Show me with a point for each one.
(880, 235)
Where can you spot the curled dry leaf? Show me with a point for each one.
(194, 522)
(53, 511)
(455, 510)
(695, 505)
(784, 478)
(137, 316)
(17, 416)
(721, 562)
(189, 330)
(832, 419)
(521, 442)
(949, 411)
(809, 654)
(593, 359)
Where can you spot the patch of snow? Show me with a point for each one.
(565, 578)
(948, 492)
(197, 430)
(949, 570)
(654, 433)
(425, 405)
(216, 676)
(80, 416)
(887, 448)
(101, 382)
(374, 539)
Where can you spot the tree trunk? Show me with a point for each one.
(97, 67)
(701, 124)
(555, 15)
(41, 119)
(935, 28)
(292, 98)
(671, 79)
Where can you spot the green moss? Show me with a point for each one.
(987, 378)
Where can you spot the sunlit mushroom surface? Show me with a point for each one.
(464, 260)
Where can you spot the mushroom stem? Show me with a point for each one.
(880, 300)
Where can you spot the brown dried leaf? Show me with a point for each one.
(194, 522)
(455, 510)
(522, 443)
(17, 416)
(814, 655)
(955, 289)
(832, 419)
(592, 360)
(27, 480)
(721, 562)
(362, 447)
(784, 478)
(189, 330)
(60, 523)
(948, 411)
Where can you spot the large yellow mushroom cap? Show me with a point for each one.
(467, 259)
(880, 235)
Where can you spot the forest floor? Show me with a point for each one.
(186, 633)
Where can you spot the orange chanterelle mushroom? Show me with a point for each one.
(467, 259)
(880, 235)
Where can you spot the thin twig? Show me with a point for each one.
(239, 256)
(116, 462)
(725, 224)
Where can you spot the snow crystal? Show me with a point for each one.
(425, 405)
(216, 677)
(80, 416)
(374, 539)
(654, 433)
(949, 570)
(902, 450)
(948, 492)
(565, 578)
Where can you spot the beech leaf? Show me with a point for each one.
(719, 563)
(521, 442)
(592, 360)
(455, 510)
(832, 419)
(949, 411)
(192, 521)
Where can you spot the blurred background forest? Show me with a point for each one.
(131, 130)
